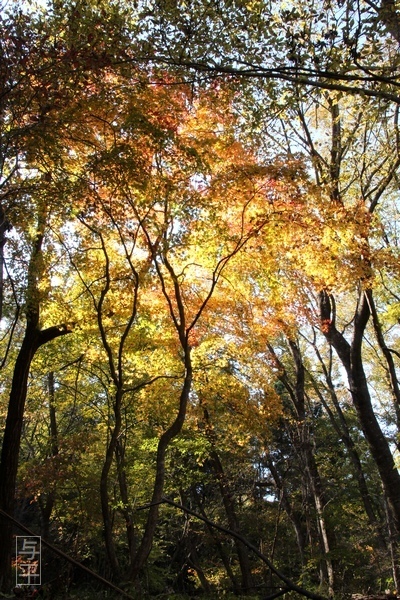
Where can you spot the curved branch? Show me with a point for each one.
(290, 584)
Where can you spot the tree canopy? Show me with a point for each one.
(199, 296)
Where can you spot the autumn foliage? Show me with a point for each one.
(199, 303)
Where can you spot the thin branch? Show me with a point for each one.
(313, 79)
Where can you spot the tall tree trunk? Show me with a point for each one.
(47, 504)
(192, 558)
(158, 488)
(123, 490)
(350, 354)
(104, 495)
(10, 449)
(303, 445)
(233, 522)
(229, 505)
(12, 437)
(293, 516)
(340, 425)
(326, 537)
(34, 338)
(393, 545)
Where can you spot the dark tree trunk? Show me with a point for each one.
(34, 338)
(294, 517)
(123, 489)
(303, 445)
(350, 354)
(10, 450)
(305, 448)
(47, 503)
(233, 523)
(104, 496)
(229, 505)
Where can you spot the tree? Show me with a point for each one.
(34, 337)
(141, 227)
(226, 249)
(31, 99)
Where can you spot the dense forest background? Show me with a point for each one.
(200, 296)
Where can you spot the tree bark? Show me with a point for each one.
(302, 442)
(123, 490)
(306, 452)
(33, 339)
